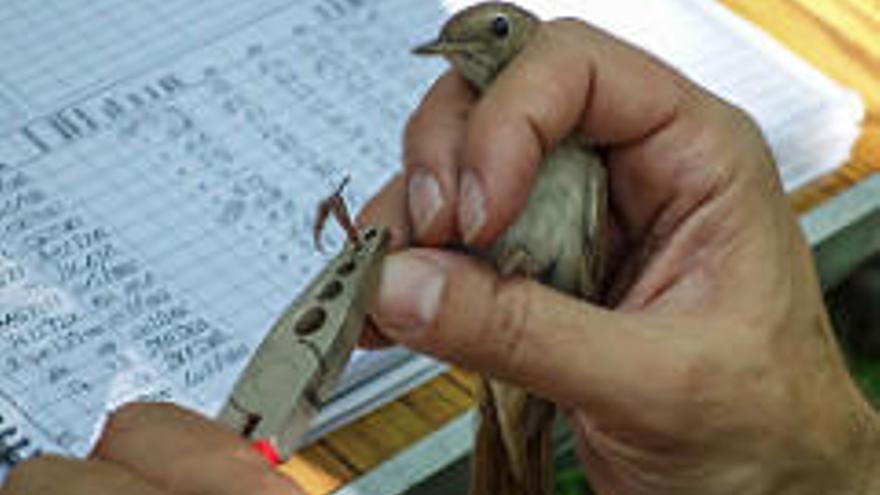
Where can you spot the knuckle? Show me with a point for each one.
(120, 423)
(691, 379)
(738, 120)
(689, 389)
(743, 132)
(507, 322)
(741, 117)
(125, 417)
(747, 125)
(30, 476)
(128, 420)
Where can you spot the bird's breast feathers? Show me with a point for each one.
(551, 228)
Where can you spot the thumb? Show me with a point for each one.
(459, 310)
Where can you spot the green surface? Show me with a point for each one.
(867, 373)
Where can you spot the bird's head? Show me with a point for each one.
(480, 40)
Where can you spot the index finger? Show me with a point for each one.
(183, 452)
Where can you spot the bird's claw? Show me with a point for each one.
(335, 205)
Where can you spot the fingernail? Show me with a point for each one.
(471, 206)
(425, 200)
(410, 288)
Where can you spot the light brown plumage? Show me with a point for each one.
(559, 238)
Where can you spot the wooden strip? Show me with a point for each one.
(409, 422)
(797, 24)
(345, 454)
(377, 436)
(432, 405)
(397, 427)
(840, 38)
(454, 392)
(854, 22)
(466, 380)
(350, 443)
(317, 471)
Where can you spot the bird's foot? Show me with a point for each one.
(335, 205)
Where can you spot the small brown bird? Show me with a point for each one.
(559, 238)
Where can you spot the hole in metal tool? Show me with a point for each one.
(253, 420)
(330, 291)
(311, 321)
(370, 234)
(346, 268)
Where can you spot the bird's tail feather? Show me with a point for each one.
(539, 478)
(492, 472)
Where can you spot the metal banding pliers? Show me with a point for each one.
(297, 364)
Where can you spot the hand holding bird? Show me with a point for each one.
(716, 372)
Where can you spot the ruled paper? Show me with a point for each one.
(171, 212)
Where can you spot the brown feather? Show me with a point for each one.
(558, 238)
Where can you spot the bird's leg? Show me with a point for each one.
(335, 205)
(518, 419)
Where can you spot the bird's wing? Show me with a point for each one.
(595, 212)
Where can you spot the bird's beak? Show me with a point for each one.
(442, 47)
(433, 47)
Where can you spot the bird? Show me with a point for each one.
(559, 239)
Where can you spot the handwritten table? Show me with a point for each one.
(429, 429)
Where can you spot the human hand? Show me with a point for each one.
(154, 449)
(717, 372)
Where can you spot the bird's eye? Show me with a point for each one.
(500, 26)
